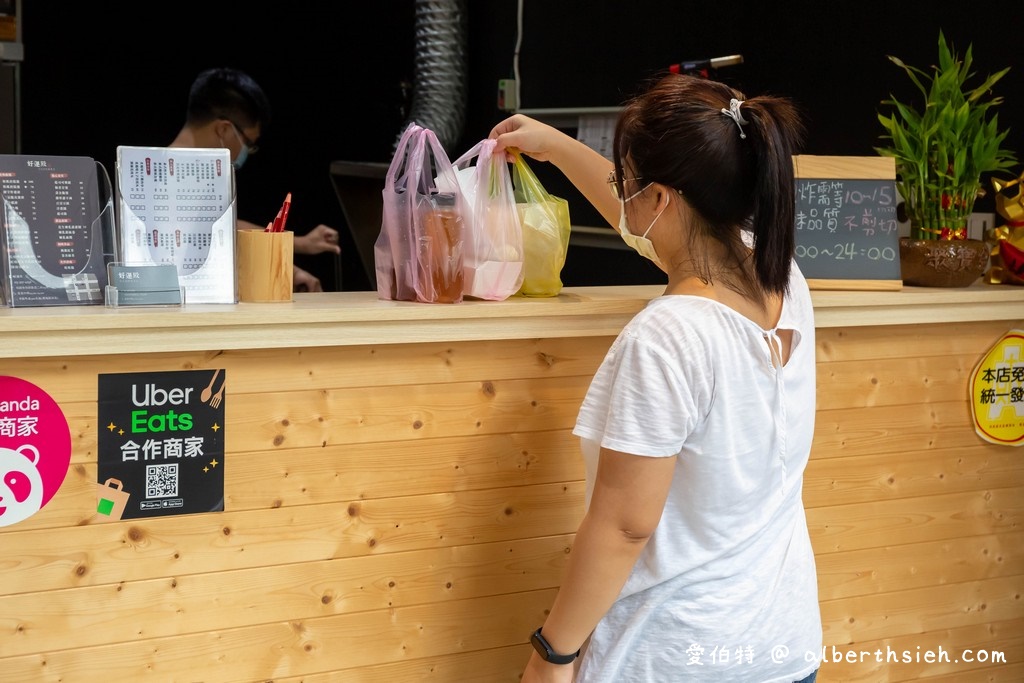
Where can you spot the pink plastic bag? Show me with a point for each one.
(418, 254)
(493, 235)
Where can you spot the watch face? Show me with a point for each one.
(538, 645)
(544, 649)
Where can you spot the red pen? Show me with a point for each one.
(284, 211)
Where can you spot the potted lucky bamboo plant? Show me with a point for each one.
(941, 151)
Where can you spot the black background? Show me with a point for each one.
(339, 76)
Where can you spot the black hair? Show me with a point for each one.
(676, 134)
(226, 93)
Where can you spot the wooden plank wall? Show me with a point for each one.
(404, 513)
(915, 520)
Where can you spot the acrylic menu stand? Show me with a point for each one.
(177, 206)
(55, 239)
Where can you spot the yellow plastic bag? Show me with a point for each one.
(545, 221)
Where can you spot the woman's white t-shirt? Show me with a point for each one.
(726, 588)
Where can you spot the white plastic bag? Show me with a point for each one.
(493, 235)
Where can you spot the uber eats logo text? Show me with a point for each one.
(152, 396)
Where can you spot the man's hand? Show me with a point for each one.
(304, 281)
(318, 240)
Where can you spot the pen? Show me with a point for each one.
(703, 64)
(284, 211)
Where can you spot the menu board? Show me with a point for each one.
(176, 205)
(847, 233)
(52, 235)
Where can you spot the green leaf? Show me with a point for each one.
(945, 143)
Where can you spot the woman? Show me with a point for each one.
(693, 561)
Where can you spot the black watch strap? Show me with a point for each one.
(549, 655)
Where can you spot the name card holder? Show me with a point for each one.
(144, 284)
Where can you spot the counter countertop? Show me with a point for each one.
(350, 318)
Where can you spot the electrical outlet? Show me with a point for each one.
(980, 223)
(507, 94)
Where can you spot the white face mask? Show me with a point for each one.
(639, 243)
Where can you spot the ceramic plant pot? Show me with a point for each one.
(942, 263)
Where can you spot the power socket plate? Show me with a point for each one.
(507, 94)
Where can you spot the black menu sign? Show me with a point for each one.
(161, 444)
(847, 235)
(52, 234)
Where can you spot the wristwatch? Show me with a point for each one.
(549, 655)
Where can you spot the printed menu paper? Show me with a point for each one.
(53, 229)
(176, 206)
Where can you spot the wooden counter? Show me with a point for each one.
(402, 487)
(355, 318)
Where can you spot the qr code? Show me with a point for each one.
(161, 481)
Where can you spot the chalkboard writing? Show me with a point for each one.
(847, 229)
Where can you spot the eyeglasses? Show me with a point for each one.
(252, 146)
(615, 184)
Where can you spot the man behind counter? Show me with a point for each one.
(227, 108)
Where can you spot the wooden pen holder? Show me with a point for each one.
(265, 266)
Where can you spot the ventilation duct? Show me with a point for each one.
(439, 74)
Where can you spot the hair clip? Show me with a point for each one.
(733, 112)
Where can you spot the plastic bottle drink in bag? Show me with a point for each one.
(440, 251)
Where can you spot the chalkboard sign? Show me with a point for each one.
(847, 233)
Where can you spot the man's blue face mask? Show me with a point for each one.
(240, 159)
(245, 147)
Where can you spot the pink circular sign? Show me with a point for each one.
(35, 449)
